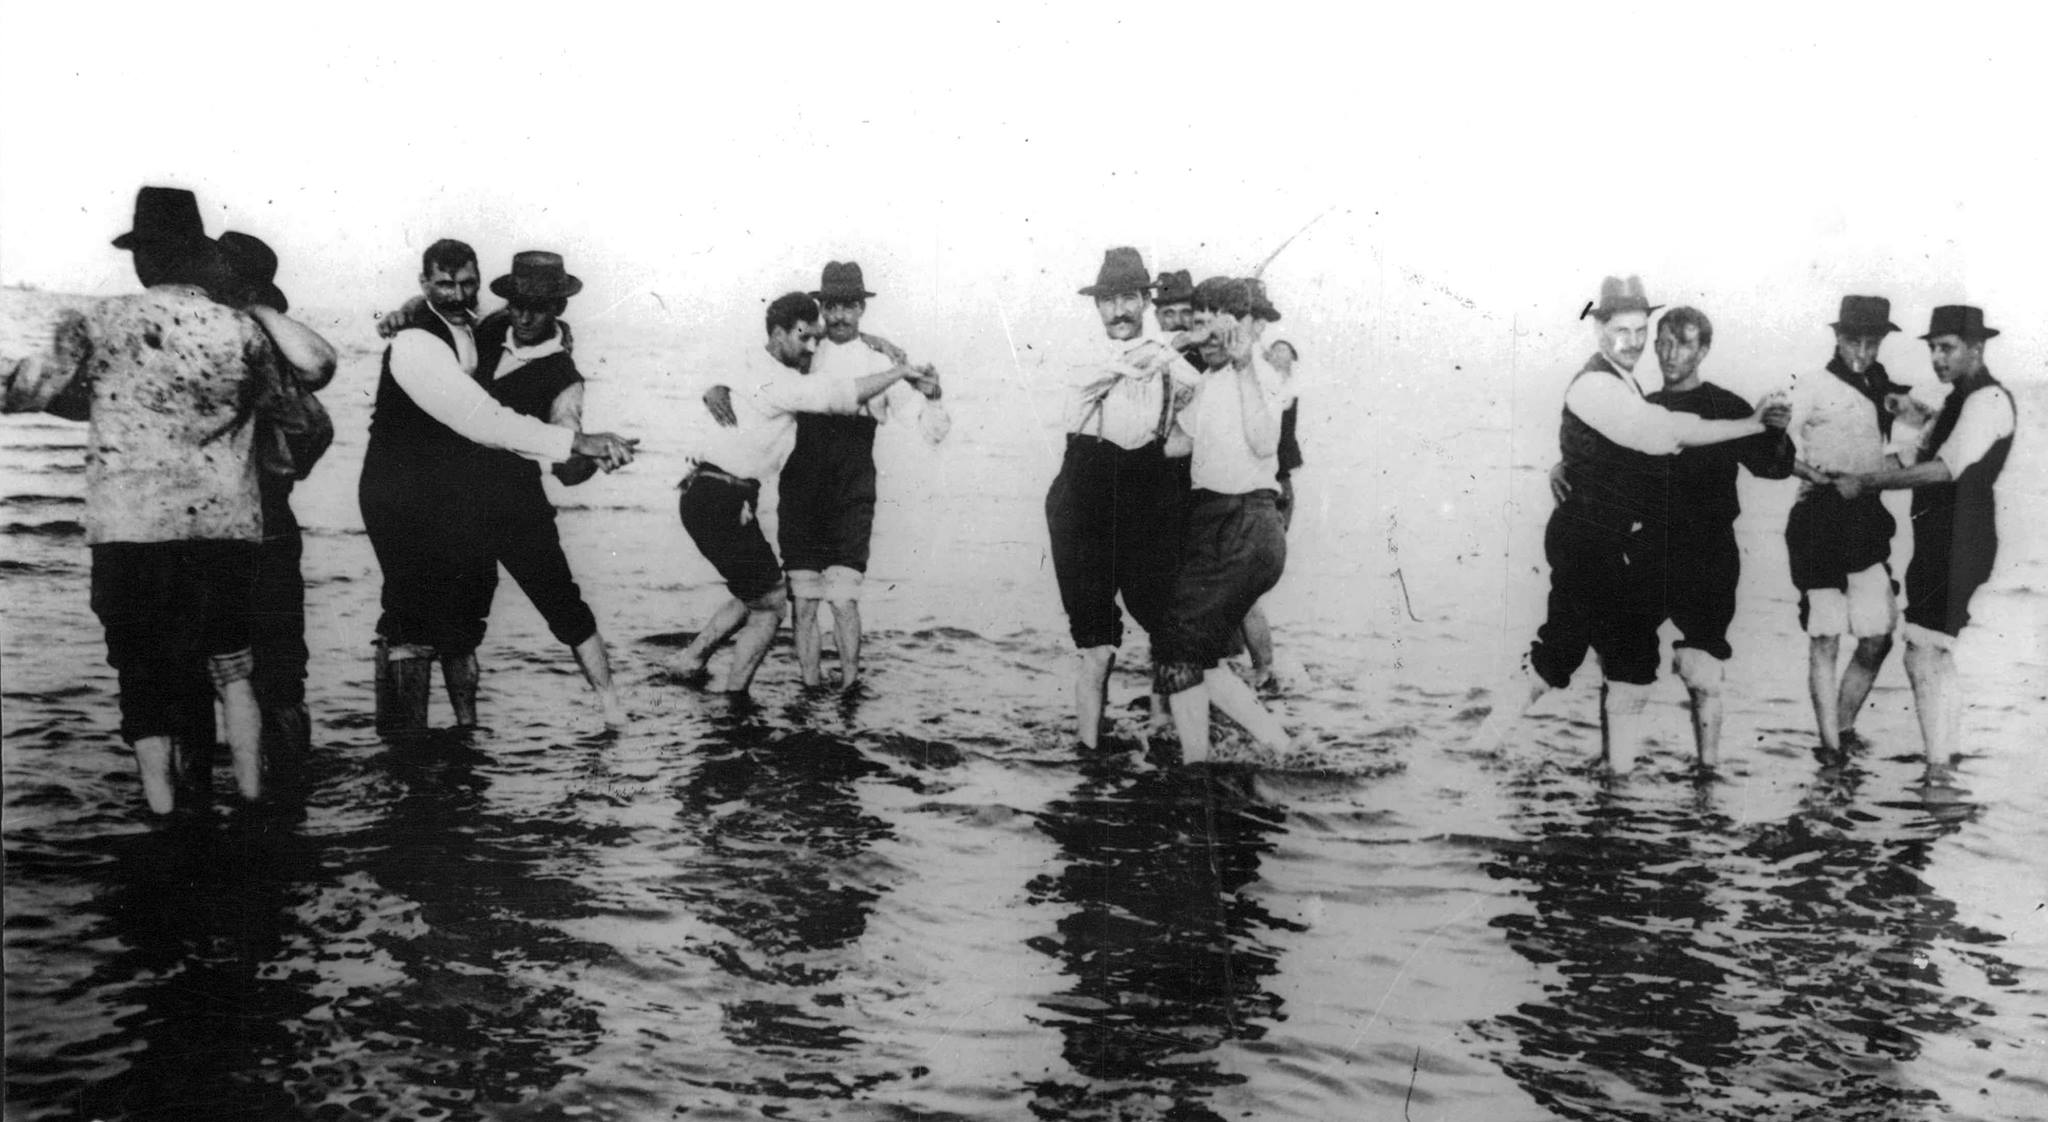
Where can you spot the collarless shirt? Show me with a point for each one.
(1224, 460)
(766, 397)
(1834, 427)
(1119, 396)
(463, 330)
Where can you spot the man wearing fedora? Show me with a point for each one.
(1839, 549)
(1606, 540)
(293, 433)
(763, 406)
(1705, 564)
(1114, 512)
(827, 489)
(1955, 528)
(433, 428)
(173, 509)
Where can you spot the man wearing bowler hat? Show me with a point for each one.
(1605, 540)
(1839, 549)
(173, 511)
(827, 490)
(1114, 512)
(1955, 530)
(433, 431)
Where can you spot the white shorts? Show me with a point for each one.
(1868, 609)
(837, 584)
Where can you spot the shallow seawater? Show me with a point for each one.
(923, 902)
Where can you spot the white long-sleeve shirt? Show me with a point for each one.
(766, 397)
(1617, 410)
(1224, 460)
(857, 359)
(430, 374)
(1128, 379)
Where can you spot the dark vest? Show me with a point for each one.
(834, 458)
(531, 390)
(1937, 507)
(1610, 484)
(401, 429)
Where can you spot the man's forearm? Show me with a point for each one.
(1899, 479)
(302, 347)
(1261, 427)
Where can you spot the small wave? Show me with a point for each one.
(61, 528)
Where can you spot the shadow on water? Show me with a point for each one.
(1706, 972)
(1162, 943)
(780, 868)
(201, 913)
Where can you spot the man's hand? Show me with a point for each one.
(889, 350)
(610, 450)
(1908, 409)
(1851, 486)
(926, 381)
(1560, 489)
(1775, 411)
(391, 323)
(718, 402)
(1281, 358)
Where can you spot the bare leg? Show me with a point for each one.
(459, 674)
(1822, 687)
(1703, 675)
(810, 652)
(752, 645)
(723, 622)
(846, 628)
(1516, 697)
(1091, 691)
(1236, 700)
(1191, 720)
(1622, 723)
(1258, 643)
(597, 670)
(242, 722)
(155, 757)
(1932, 674)
(1858, 678)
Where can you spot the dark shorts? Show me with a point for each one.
(431, 528)
(819, 532)
(524, 539)
(1115, 518)
(723, 519)
(1699, 589)
(1606, 595)
(1233, 553)
(1952, 558)
(1827, 537)
(167, 607)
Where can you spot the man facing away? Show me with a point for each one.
(721, 494)
(1114, 512)
(1705, 564)
(1839, 548)
(169, 381)
(1955, 528)
(433, 425)
(1605, 540)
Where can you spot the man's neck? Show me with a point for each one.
(1687, 386)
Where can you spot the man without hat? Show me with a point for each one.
(173, 510)
(1114, 512)
(826, 497)
(720, 503)
(432, 426)
(1839, 549)
(1955, 530)
(1605, 540)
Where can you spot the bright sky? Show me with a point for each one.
(1759, 160)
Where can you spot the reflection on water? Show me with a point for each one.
(1701, 970)
(1162, 946)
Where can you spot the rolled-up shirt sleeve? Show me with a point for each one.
(1987, 418)
(1620, 414)
(429, 374)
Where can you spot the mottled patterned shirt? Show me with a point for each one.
(175, 380)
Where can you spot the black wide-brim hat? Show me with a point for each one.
(253, 262)
(1176, 286)
(536, 275)
(1122, 271)
(1865, 315)
(1960, 320)
(841, 283)
(164, 216)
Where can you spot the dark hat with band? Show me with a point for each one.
(164, 216)
(841, 284)
(536, 275)
(1960, 320)
(254, 263)
(1122, 271)
(1176, 286)
(1618, 296)
(1865, 315)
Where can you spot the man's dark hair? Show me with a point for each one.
(447, 255)
(1678, 319)
(1291, 348)
(790, 309)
